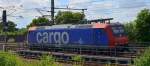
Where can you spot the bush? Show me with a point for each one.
(47, 61)
(79, 61)
(8, 59)
(143, 60)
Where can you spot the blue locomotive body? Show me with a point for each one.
(72, 36)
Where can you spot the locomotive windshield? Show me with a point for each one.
(118, 30)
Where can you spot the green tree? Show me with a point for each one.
(143, 25)
(41, 21)
(22, 31)
(11, 26)
(68, 17)
(12, 30)
(130, 31)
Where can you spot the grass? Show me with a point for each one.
(10, 59)
(143, 60)
(78, 60)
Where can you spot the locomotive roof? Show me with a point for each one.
(64, 26)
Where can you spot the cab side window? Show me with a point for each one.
(118, 30)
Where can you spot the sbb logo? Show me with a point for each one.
(52, 37)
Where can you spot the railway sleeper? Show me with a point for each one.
(120, 51)
(68, 57)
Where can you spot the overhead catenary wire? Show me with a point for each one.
(23, 10)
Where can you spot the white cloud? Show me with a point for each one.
(74, 2)
(120, 10)
(131, 3)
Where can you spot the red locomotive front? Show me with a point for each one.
(119, 37)
(115, 32)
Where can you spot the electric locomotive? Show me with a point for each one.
(108, 35)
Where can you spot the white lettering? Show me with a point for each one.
(50, 37)
(45, 37)
(57, 37)
(39, 40)
(53, 37)
(65, 38)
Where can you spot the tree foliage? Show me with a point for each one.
(143, 25)
(130, 31)
(12, 30)
(68, 17)
(139, 29)
(11, 26)
(143, 60)
(41, 21)
(143, 35)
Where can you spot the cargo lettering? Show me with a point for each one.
(52, 37)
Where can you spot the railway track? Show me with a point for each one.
(122, 59)
(132, 52)
(68, 57)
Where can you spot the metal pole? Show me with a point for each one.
(83, 11)
(52, 11)
(4, 19)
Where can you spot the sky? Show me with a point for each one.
(23, 11)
